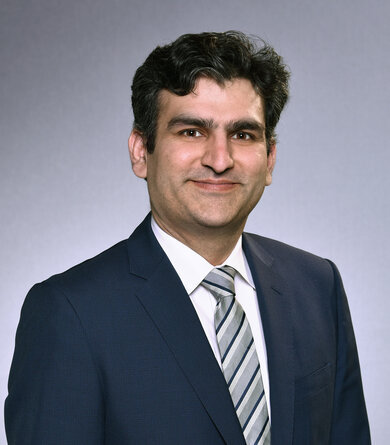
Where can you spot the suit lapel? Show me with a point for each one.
(276, 319)
(168, 305)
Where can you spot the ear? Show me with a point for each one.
(271, 159)
(138, 154)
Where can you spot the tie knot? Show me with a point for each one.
(220, 282)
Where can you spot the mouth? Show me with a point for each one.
(215, 185)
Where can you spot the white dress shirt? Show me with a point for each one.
(192, 268)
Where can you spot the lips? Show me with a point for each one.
(215, 185)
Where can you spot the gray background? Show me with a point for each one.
(66, 188)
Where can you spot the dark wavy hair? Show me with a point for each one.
(220, 56)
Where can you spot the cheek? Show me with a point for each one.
(180, 164)
(254, 165)
(164, 174)
(182, 156)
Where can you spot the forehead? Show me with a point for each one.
(233, 100)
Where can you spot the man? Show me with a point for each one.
(191, 331)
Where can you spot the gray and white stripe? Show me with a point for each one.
(240, 363)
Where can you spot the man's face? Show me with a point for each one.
(210, 164)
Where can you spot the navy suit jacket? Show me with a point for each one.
(112, 352)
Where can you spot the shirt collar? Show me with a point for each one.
(192, 267)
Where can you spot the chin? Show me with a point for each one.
(218, 222)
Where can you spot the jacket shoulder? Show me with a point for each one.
(111, 261)
(291, 261)
(278, 249)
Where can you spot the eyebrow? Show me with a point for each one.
(231, 127)
(246, 124)
(183, 119)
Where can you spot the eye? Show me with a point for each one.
(242, 135)
(191, 133)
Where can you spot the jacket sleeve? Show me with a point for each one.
(54, 388)
(350, 423)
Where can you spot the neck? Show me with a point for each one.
(214, 244)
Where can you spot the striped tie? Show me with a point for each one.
(240, 364)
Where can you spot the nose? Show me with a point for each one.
(217, 154)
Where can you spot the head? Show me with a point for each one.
(221, 57)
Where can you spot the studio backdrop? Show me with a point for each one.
(67, 190)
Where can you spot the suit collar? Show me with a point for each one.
(275, 311)
(144, 251)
